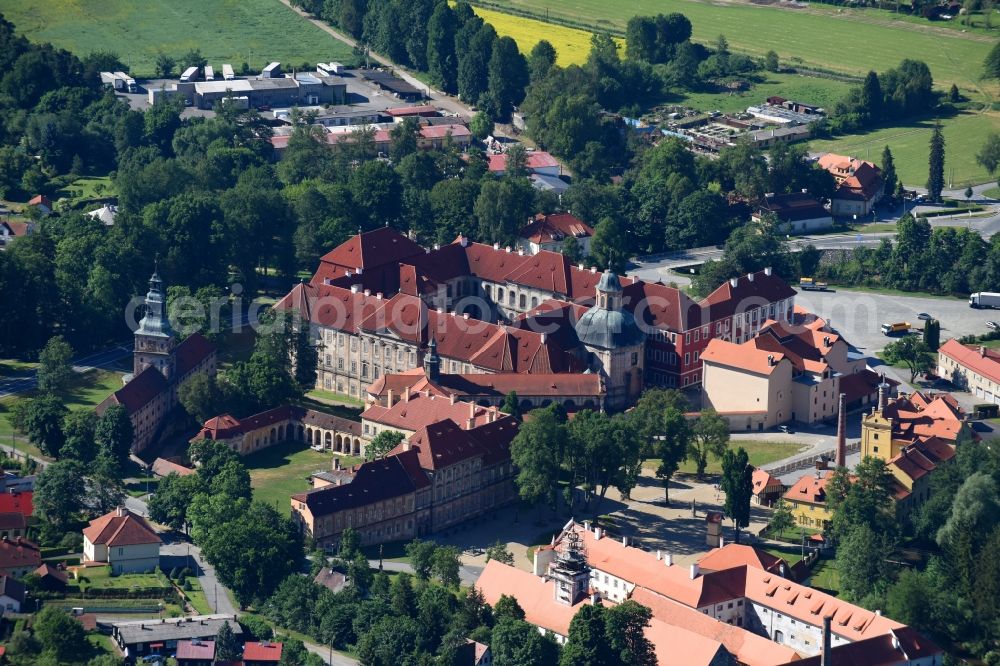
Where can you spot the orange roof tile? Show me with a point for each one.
(120, 527)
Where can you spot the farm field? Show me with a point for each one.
(233, 31)
(845, 41)
(819, 91)
(572, 45)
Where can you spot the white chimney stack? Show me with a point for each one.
(668, 559)
(695, 570)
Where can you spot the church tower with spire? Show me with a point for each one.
(432, 362)
(154, 339)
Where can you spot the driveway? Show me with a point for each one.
(182, 553)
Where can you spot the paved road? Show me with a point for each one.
(101, 359)
(215, 593)
(467, 573)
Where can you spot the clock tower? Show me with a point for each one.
(154, 339)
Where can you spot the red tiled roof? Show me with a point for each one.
(139, 392)
(809, 488)
(743, 356)
(444, 443)
(536, 159)
(750, 291)
(267, 651)
(193, 350)
(418, 110)
(370, 250)
(18, 502)
(480, 384)
(980, 360)
(442, 131)
(19, 553)
(737, 555)
(46, 571)
(40, 199)
(764, 482)
(555, 227)
(422, 409)
(163, 467)
(120, 527)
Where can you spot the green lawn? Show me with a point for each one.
(963, 136)
(12, 366)
(278, 472)
(760, 453)
(86, 391)
(323, 395)
(82, 190)
(826, 576)
(226, 31)
(789, 554)
(819, 91)
(100, 578)
(196, 597)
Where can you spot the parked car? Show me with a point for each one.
(786, 429)
(923, 316)
(992, 325)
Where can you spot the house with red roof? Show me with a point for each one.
(195, 652)
(264, 653)
(549, 232)
(441, 475)
(972, 368)
(14, 229)
(859, 185)
(160, 367)
(535, 161)
(123, 540)
(41, 203)
(18, 501)
(19, 557)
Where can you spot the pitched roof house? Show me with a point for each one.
(124, 540)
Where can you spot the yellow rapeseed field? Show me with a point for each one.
(572, 46)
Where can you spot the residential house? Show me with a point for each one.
(807, 500)
(164, 466)
(440, 476)
(473, 653)
(789, 371)
(141, 638)
(123, 540)
(12, 594)
(797, 213)
(265, 653)
(767, 489)
(51, 578)
(12, 229)
(41, 203)
(105, 214)
(971, 368)
(859, 185)
(195, 652)
(535, 162)
(288, 423)
(17, 501)
(19, 557)
(160, 367)
(330, 579)
(549, 232)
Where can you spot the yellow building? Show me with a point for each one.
(807, 500)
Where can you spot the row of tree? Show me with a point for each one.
(896, 94)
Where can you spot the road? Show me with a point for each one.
(467, 574)
(101, 359)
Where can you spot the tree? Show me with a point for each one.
(989, 155)
(55, 366)
(227, 647)
(41, 420)
(517, 643)
(935, 162)
(511, 405)
(382, 444)
(114, 434)
(507, 79)
(609, 247)
(537, 451)
(78, 430)
(991, 64)
(169, 504)
(541, 59)
(401, 597)
(861, 561)
(481, 125)
(502, 208)
(306, 354)
(350, 544)
(659, 419)
(388, 642)
(421, 554)
(107, 490)
(954, 96)
(498, 551)
(889, 171)
(771, 62)
(165, 66)
(200, 397)
(782, 518)
(59, 634)
(709, 435)
(507, 607)
(586, 644)
(871, 98)
(975, 509)
(445, 565)
(403, 139)
(59, 492)
(932, 334)
(861, 498)
(912, 352)
(360, 573)
(625, 625)
(194, 58)
(442, 62)
(737, 483)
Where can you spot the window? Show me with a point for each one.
(687, 338)
(635, 358)
(704, 332)
(687, 358)
(697, 336)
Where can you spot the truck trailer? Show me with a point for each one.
(227, 73)
(209, 73)
(190, 74)
(984, 299)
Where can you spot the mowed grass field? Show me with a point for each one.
(963, 137)
(278, 472)
(226, 31)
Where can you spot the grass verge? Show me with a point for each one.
(278, 472)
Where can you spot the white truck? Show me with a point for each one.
(132, 86)
(227, 73)
(209, 73)
(984, 299)
(190, 74)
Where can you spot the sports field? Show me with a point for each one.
(226, 31)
